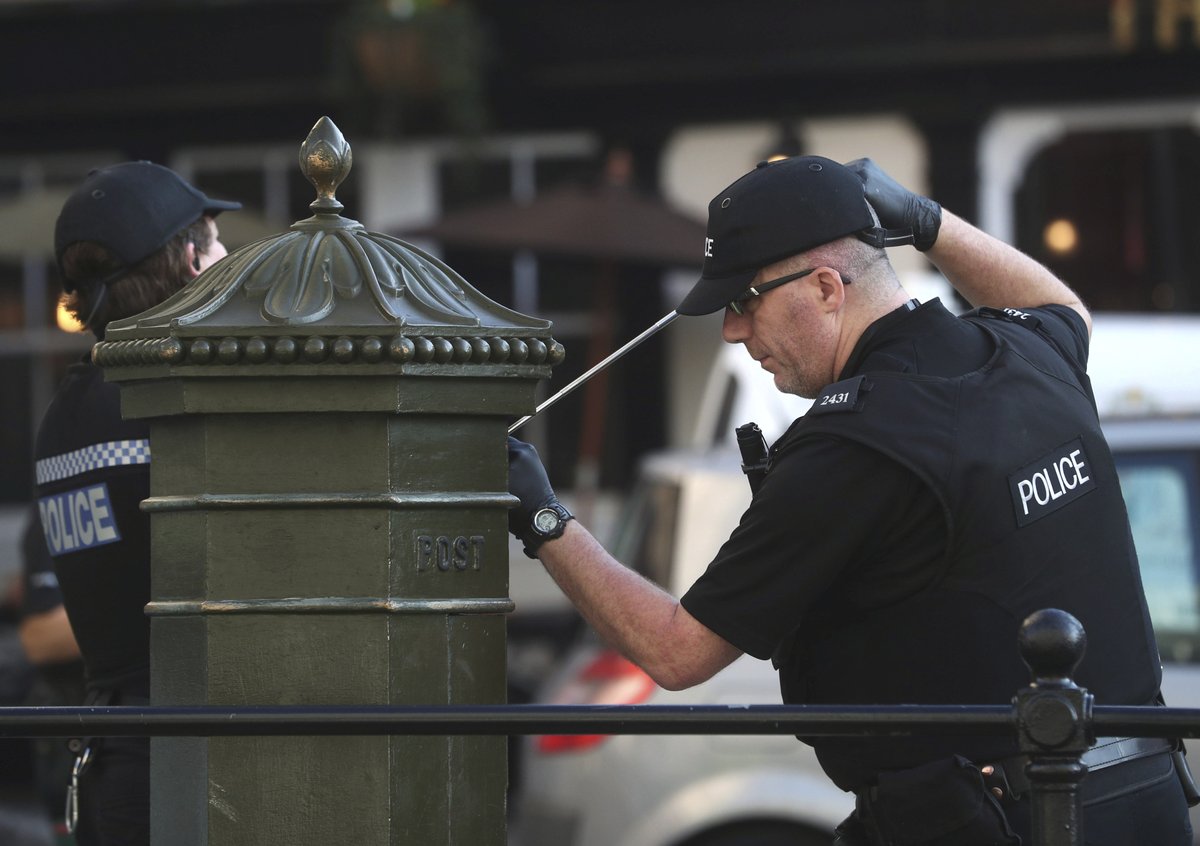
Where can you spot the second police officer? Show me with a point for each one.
(127, 238)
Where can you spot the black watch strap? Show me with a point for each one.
(547, 523)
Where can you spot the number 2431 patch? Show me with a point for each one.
(840, 396)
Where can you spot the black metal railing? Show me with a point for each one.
(1054, 721)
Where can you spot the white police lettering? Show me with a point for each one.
(708, 245)
(1044, 486)
(1015, 314)
(78, 519)
(1051, 482)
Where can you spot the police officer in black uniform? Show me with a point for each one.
(127, 238)
(950, 479)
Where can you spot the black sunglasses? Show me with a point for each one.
(735, 305)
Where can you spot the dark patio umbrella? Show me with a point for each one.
(605, 222)
(609, 222)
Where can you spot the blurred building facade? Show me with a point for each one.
(1070, 128)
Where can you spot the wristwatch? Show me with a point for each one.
(549, 522)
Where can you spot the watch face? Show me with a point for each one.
(545, 520)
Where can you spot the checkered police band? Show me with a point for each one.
(94, 457)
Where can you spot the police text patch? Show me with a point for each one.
(1051, 482)
(78, 519)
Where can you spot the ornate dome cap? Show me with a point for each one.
(327, 292)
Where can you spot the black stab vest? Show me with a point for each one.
(1035, 519)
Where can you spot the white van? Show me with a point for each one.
(634, 790)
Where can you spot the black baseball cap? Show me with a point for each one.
(132, 209)
(776, 210)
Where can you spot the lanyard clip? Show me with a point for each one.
(72, 809)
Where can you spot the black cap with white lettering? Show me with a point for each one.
(775, 211)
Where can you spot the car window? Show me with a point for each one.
(1160, 492)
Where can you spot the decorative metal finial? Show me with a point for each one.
(325, 160)
(1052, 643)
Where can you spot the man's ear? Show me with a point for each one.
(830, 287)
(193, 259)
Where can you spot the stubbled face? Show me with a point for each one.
(789, 332)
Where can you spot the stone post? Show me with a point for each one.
(328, 416)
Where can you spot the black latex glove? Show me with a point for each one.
(528, 482)
(897, 207)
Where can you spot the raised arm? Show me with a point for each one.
(989, 272)
(984, 269)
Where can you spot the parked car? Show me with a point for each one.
(639, 790)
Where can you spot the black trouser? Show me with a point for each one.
(114, 794)
(114, 787)
(947, 803)
(1153, 814)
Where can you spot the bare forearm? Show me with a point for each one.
(47, 637)
(989, 272)
(643, 621)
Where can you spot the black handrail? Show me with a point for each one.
(117, 721)
(361, 720)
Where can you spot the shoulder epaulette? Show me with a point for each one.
(1011, 315)
(847, 395)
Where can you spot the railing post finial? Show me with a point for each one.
(1053, 717)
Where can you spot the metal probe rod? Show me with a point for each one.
(661, 324)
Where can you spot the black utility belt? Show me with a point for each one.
(953, 799)
(1113, 763)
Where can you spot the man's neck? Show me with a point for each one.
(860, 320)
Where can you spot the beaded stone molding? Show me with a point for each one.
(319, 349)
(328, 292)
